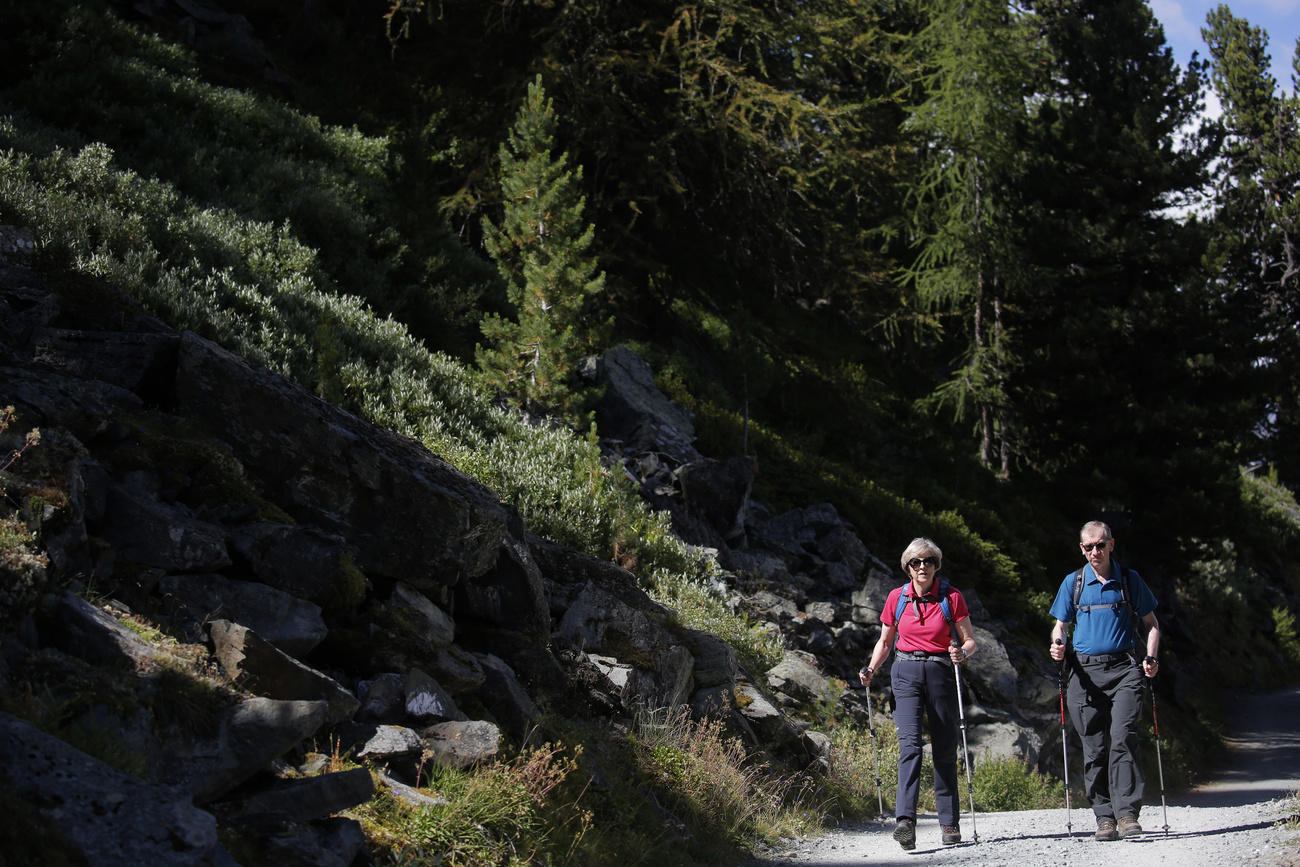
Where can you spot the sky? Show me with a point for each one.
(1183, 20)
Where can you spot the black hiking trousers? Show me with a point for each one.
(926, 688)
(1105, 703)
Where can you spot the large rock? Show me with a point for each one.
(418, 618)
(995, 734)
(510, 594)
(300, 560)
(992, 676)
(427, 701)
(294, 625)
(462, 744)
(633, 409)
(409, 514)
(253, 734)
(307, 798)
(607, 624)
(75, 626)
(506, 698)
(167, 536)
(109, 818)
(264, 669)
(799, 676)
(717, 493)
(47, 399)
(141, 362)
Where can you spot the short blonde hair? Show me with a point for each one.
(919, 547)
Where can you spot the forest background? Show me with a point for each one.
(967, 270)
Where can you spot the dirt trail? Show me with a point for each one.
(1228, 821)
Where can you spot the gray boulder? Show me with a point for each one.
(302, 561)
(328, 468)
(253, 734)
(505, 696)
(164, 535)
(83, 630)
(294, 625)
(307, 798)
(633, 409)
(799, 676)
(426, 700)
(264, 669)
(462, 744)
(109, 818)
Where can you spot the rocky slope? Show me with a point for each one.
(346, 586)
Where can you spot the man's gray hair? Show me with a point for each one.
(1097, 525)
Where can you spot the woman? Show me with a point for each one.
(930, 641)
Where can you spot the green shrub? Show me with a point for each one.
(511, 812)
(711, 780)
(1287, 639)
(863, 774)
(697, 606)
(252, 287)
(1009, 783)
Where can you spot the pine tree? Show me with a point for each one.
(541, 248)
(1127, 398)
(1256, 249)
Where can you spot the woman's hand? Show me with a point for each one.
(864, 675)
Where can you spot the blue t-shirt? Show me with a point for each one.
(1103, 630)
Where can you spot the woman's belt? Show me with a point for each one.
(923, 655)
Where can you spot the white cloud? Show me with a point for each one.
(1178, 27)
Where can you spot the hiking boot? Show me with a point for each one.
(1129, 827)
(905, 834)
(951, 834)
(1105, 830)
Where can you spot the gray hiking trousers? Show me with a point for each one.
(1105, 703)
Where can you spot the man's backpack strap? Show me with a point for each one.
(1127, 601)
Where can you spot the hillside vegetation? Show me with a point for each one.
(965, 311)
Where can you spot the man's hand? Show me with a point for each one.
(1150, 665)
(1057, 650)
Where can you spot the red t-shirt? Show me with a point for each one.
(929, 632)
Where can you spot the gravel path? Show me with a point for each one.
(1229, 821)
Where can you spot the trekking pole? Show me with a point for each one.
(1155, 724)
(1065, 753)
(871, 725)
(961, 714)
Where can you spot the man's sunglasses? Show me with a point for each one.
(1095, 546)
(918, 562)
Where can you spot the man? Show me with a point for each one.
(1105, 691)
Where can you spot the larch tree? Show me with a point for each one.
(978, 55)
